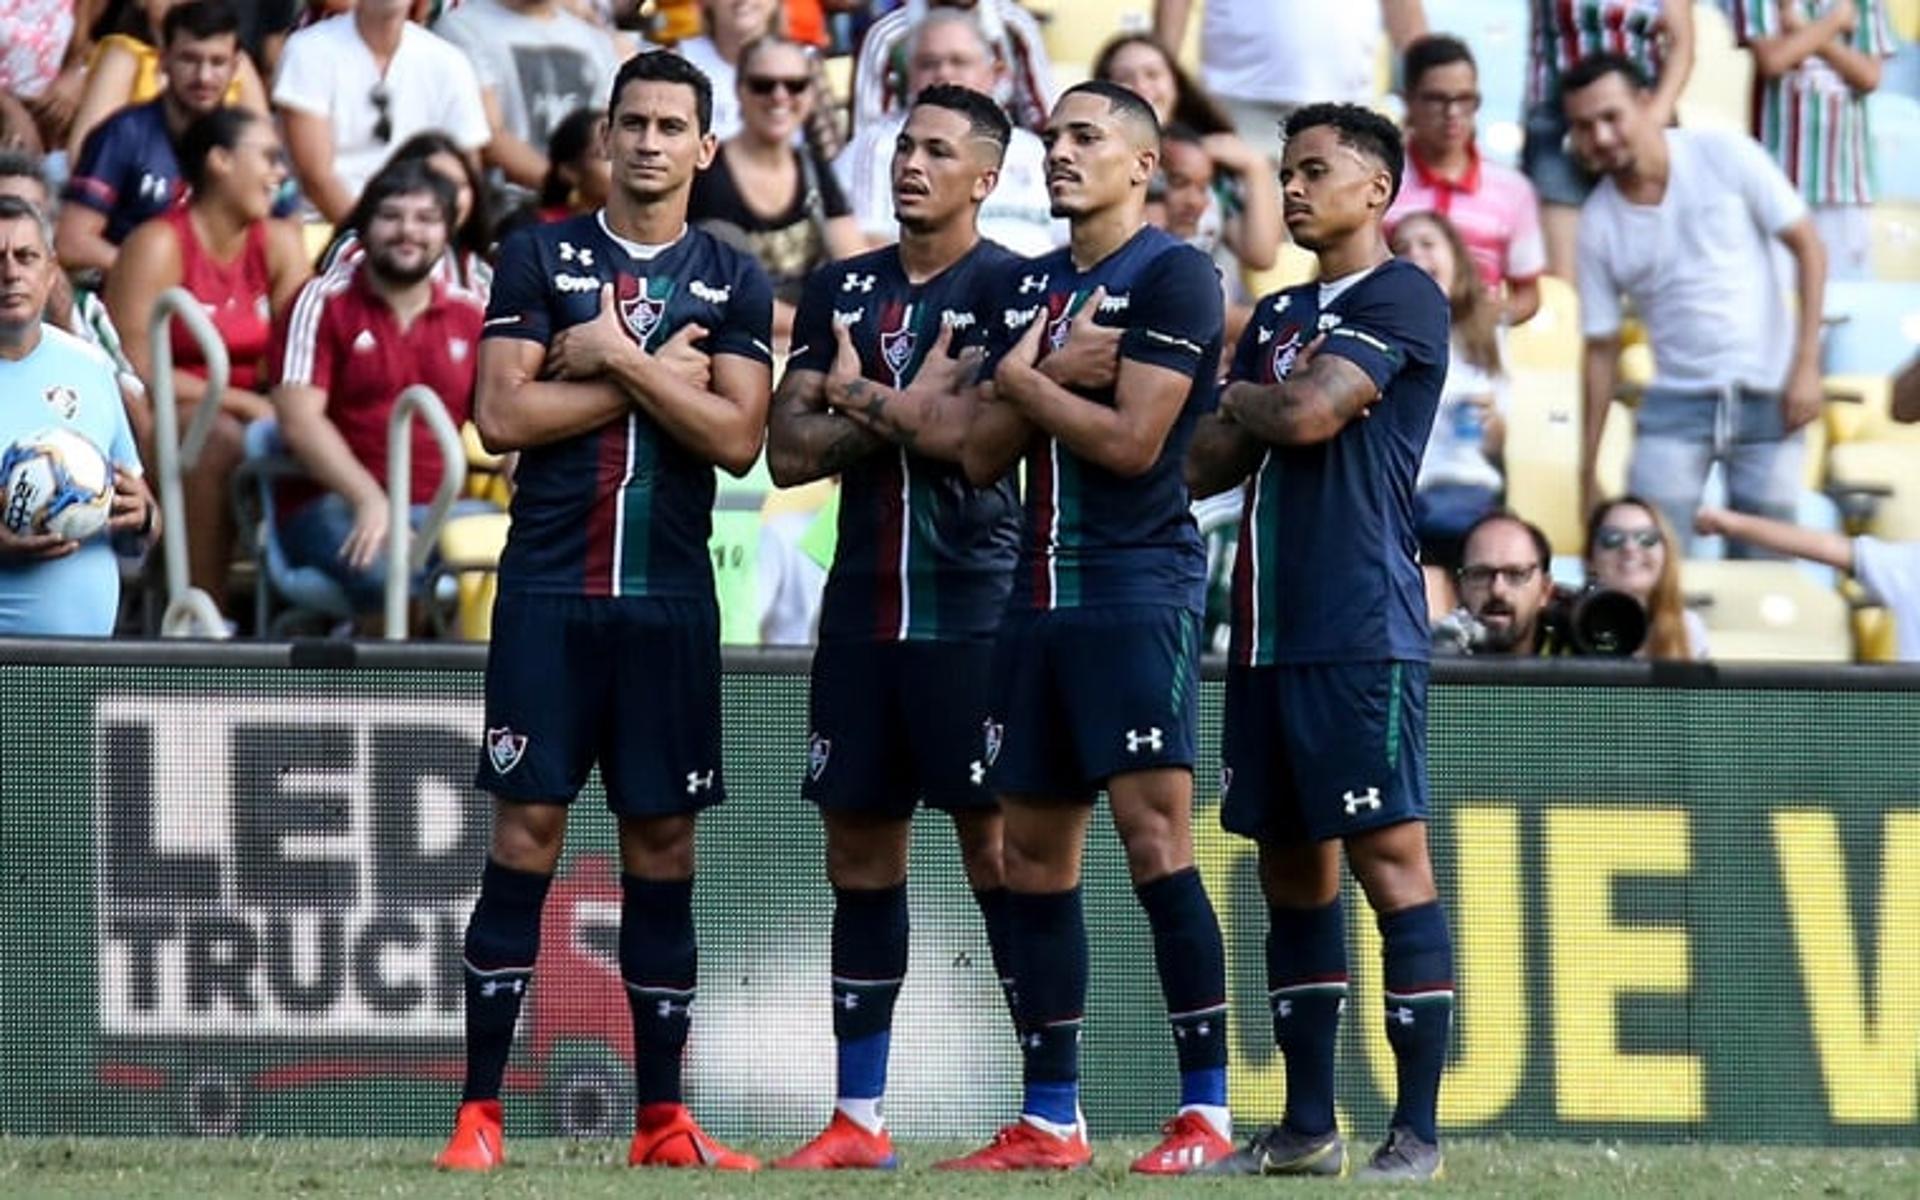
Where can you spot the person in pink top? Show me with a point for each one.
(1493, 208)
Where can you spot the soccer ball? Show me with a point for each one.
(56, 482)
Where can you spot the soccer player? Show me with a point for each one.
(1332, 391)
(1105, 355)
(876, 392)
(624, 355)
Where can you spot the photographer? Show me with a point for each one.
(1510, 605)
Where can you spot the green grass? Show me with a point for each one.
(54, 1168)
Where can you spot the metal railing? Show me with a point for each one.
(407, 548)
(190, 612)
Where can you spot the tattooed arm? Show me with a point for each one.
(804, 440)
(930, 416)
(1312, 404)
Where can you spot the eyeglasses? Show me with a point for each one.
(764, 85)
(1513, 577)
(1441, 102)
(383, 122)
(1613, 538)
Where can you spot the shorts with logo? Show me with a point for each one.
(1084, 694)
(894, 723)
(629, 682)
(1317, 751)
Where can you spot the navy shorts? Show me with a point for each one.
(631, 683)
(894, 723)
(1317, 751)
(1084, 694)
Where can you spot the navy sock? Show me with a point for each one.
(659, 963)
(993, 911)
(869, 963)
(1193, 979)
(1048, 944)
(1307, 989)
(503, 939)
(1418, 953)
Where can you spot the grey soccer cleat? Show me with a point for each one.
(1403, 1158)
(1277, 1150)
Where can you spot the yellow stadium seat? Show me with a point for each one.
(1774, 611)
(1550, 341)
(470, 550)
(1887, 464)
(316, 236)
(1292, 266)
(1904, 15)
(1075, 30)
(1719, 91)
(487, 474)
(840, 78)
(1896, 240)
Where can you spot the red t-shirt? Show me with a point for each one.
(237, 296)
(341, 337)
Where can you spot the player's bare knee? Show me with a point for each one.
(981, 854)
(1299, 874)
(1392, 866)
(867, 855)
(657, 847)
(528, 837)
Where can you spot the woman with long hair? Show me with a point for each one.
(1631, 549)
(780, 201)
(244, 268)
(1460, 479)
(1247, 215)
(578, 173)
(469, 254)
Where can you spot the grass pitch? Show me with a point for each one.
(55, 1168)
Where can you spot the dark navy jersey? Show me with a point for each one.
(1094, 537)
(922, 554)
(1328, 567)
(625, 509)
(128, 171)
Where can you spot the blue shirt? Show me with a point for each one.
(1328, 567)
(1094, 537)
(921, 554)
(625, 509)
(64, 382)
(128, 171)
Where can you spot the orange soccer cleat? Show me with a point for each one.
(665, 1135)
(477, 1143)
(1023, 1146)
(845, 1144)
(1191, 1143)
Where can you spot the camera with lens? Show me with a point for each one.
(1595, 621)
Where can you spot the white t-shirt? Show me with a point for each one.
(1699, 266)
(1454, 448)
(702, 53)
(1891, 571)
(541, 68)
(1291, 51)
(328, 71)
(1018, 213)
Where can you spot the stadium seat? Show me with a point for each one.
(1770, 611)
(1292, 267)
(470, 549)
(1719, 92)
(486, 471)
(1550, 341)
(316, 236)
(1895, 121)
(1872, 326)
(1075, 30)
(1896, 240)
(1882, 464)
(286, 597)
(1543, 451)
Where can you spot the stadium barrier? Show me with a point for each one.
(1687, 905)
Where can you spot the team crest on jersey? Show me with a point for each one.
(1226, 781)
(643, 302)
(896, 348)
(1285, 350)
(63, 400)
(1061, 324)
(505, 749)
(819, 749)
(992, 733)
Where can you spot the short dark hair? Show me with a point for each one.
(20, 164)
(218, 130)
(407, 177)
(1123, 100)
(1426, 53)
(199, 20)
(985, 118)
(1359, 127)
(566, 146)
(665, 66)
(1541, 546)
(1180, 131)
(1592, 69)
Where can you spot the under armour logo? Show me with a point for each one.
(858, 283)
(1152, 740)
(977, 772)
(1202, 1029)
(493, 987)
(699, 781)
(848, 1000)
(1400, 1016)
(1031, 1041)
(569, 253)
(1262, 335)
(1032, 283)
(1283, 1009)
(1356, 801)
(667, 1009)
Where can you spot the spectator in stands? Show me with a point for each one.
(1890, 571)
(352, 86)
(350, 344)
(44, 67)
(1816, 64)
(466, 263)
(1246, 213)
(1905, 402)
(243, 268)
(127, 66)
(1185, 196)
(79, 312)
(947, 46)
(1632, 549)
(1460, 479)
(1505, 586)
(49, 585)
(537, 62)
(730, 26)
(1265, 58)
(1492, 207)
(1655, 35)
(128, 171)
(578, 173)
(1683, 224)
(880, 75)
(783, 201)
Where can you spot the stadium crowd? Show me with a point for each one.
(332, 181)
